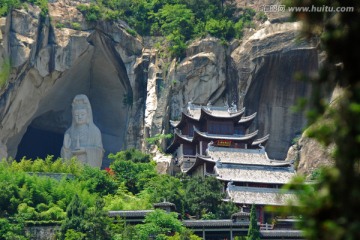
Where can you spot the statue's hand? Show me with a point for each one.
(67, 141)
(79, 150)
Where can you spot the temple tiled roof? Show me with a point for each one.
(240, 214)
(130, 213)
(248, 118)
(196, 113)
(233, 137)
(219, 112)
(254, 174)
(259, 196)
(164, 204)
(281, 233)
(198, 161)
(262, 140)
(178, 138)
(213, 223)
(243, 156)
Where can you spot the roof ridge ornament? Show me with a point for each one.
(262, 148)
(208, 106)
(230, 185)
(218, 163)
(189, 107)
(233, 108)
(292, 165)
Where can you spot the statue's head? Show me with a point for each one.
(81, 110)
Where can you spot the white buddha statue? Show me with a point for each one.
(83, 139)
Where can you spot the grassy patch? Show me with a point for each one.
(5, 72)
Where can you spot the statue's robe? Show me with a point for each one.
(89, 141)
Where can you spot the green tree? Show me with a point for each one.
(159, 224)
(7, 5)
(98, 224)
(175, 18)
(12, 230)
(92, 12)
(9, 195)
(133, 172)
(331, 211)
(86, 222)
(220, 28)
(204, 196)
(166, 187)
(253, 233)
(98, 181)
(75, 219)
(131, 154)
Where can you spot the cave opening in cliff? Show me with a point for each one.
(101, 75)
(39, 143)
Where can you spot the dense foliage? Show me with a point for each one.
(79, 201)
(177, 20)
(7, 5)
(253, 232)
(83, 222)
(329, 208)
(204, 198)
(133, 168)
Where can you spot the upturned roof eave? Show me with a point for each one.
(177, 138)
(247, 119)
(183, 118)
(247, 137)
(199, 159)
(260, 140)
(262, 181)
(235, 116)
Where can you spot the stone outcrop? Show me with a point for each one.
(132, 89)
(263, 69)
(309, 155)
(200, 77)
(50, 65)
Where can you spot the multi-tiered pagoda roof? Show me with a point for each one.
(216, 141)
(209, 123)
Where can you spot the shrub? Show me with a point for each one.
(7, 5)
(76, 25)
(91, 12)
(131, 32)
(59, 25)
(4, 72)
(220, 28)
(261, 16)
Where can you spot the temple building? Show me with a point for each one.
(215, 141)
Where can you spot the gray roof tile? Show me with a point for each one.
(260, 196)
(243, 156)
(254, 174)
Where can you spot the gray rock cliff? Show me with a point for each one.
(133, 90)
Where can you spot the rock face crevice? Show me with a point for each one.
(50, 69)
(264, 69)
(133, 90)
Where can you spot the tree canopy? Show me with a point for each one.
(177, 20)
(80, 199)
(253, 232)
